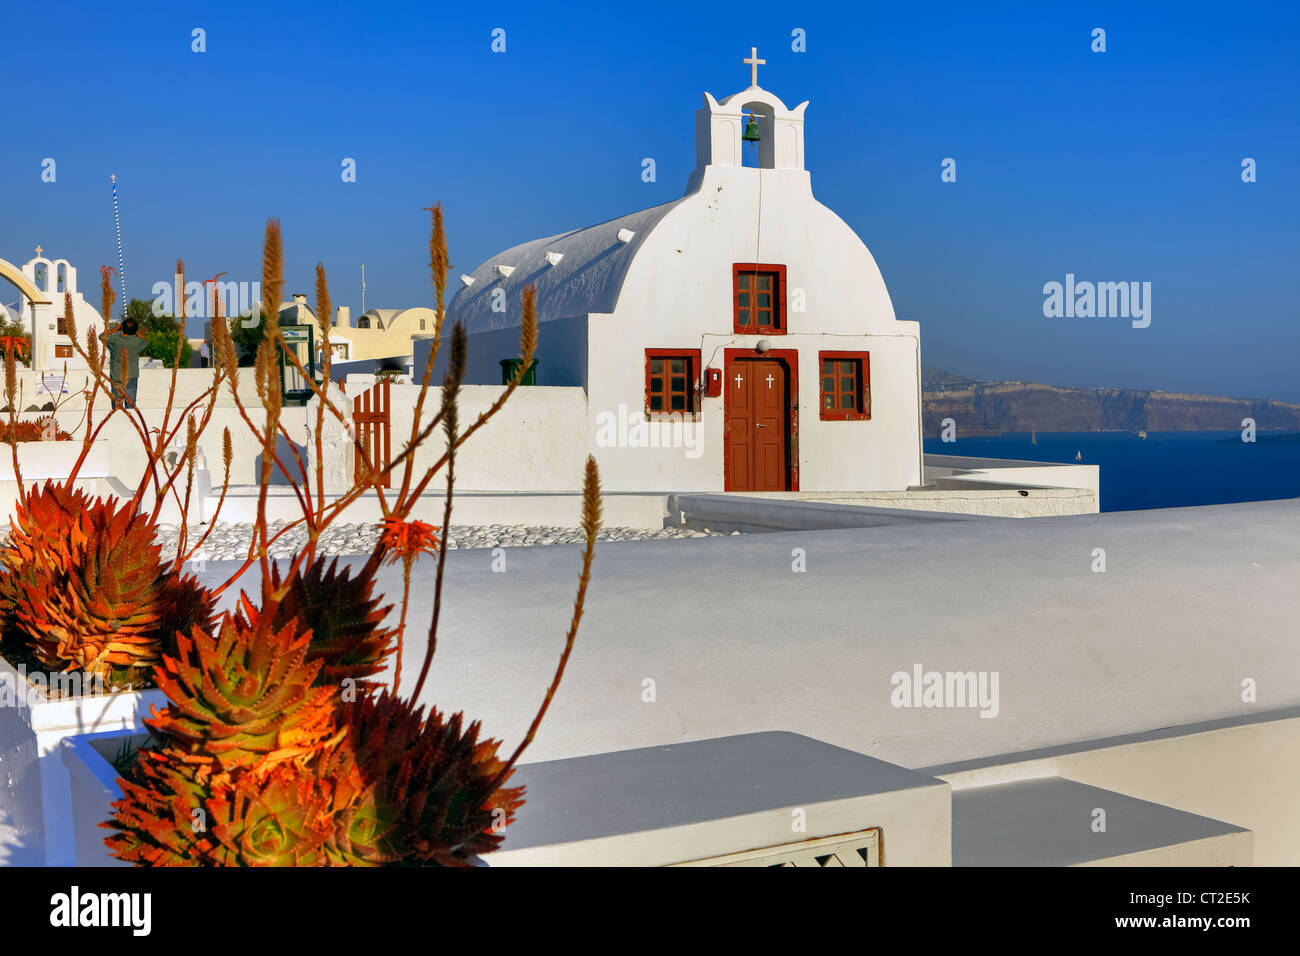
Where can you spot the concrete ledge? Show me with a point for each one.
(685, 802)
(1013, 471)
(1241, 769)
(1051, 821)
(738, 512)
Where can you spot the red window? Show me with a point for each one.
(671, 382)
(846, 386)
(63, 351)
(62, 325)
(758, 298)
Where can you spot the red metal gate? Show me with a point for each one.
(370, 417)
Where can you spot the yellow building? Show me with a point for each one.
(379, 333)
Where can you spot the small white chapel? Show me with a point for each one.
(43, 283)
(746, 310)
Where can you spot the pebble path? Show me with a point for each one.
(232, 540)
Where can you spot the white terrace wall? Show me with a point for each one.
(123, 455)
(151, 393)
(534, 443)
(126, 456)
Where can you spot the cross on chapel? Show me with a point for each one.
(39, 250)
(754, 63)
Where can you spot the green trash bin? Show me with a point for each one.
(510, 368)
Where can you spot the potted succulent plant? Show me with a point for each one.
(276, 742)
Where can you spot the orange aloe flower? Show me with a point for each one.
(407, 540)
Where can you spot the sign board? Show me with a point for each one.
(301, 340)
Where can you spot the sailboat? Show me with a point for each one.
(1078, 456)
(1033, 438)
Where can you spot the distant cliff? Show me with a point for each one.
(992, 408)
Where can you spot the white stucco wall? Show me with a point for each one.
(126, 458)
(882, 454)
(534, 443)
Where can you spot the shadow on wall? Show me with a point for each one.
(284, 451)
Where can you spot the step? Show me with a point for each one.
(1051, 821)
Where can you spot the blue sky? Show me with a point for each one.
(1115, 166)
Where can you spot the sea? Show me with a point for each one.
(1163, 470)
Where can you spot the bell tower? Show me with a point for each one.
(720, 126)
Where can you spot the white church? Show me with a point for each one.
(43, 283)
(746, 311)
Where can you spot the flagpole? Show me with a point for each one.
(121, 260)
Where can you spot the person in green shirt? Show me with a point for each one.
(126, 339)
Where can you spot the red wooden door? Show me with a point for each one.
(757, 416)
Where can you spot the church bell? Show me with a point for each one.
(751, 131)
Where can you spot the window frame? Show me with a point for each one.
(863, 411)
(777, 271)
(692, 411)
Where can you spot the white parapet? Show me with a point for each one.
(760, 799)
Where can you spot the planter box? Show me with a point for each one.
(92, 788)
(34, 788)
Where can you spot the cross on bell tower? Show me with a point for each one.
(754, 63)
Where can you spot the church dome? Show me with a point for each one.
(575, 273)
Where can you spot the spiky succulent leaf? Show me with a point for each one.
(244, 697)
(344, 616)
(186, 604)
(171, 815)
(426, 793)
(276, 820)
(88, 590)
(162, 817)
(47, 514)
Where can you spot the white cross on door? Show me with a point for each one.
(769, 381)
(739, 380)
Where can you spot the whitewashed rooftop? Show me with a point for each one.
(1193, 601)
(587, 279)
